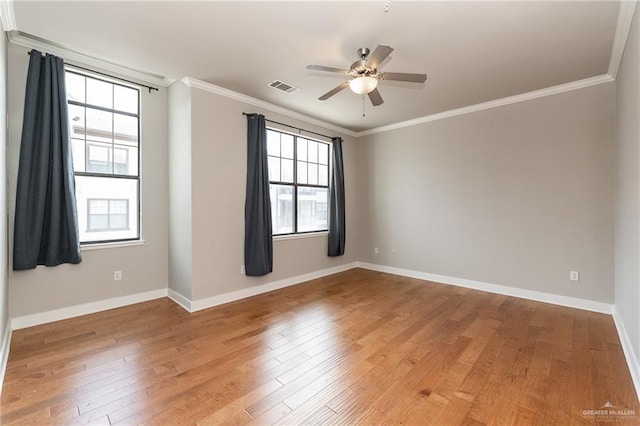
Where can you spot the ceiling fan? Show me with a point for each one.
(366, 75)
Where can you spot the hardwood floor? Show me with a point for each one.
(359, 347)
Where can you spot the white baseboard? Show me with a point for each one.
(197, 305)
(181, 300)
(4, 352)
(630, 355)
(555, 299)
(84, 309)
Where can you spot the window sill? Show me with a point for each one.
(298, 236)
(100, 246)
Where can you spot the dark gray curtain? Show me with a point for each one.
(258, 242)
(46, 224)
(336, 202)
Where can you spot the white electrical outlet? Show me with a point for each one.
(242, 271)
(393, 251)
(574, 275)
(117, 275)
(376, 250)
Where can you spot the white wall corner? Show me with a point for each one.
(625, 18)
(7, 15)
(5, 346)
(232, 296)
(85, 309)
(538, 296)
(184, 302)
(630, 355)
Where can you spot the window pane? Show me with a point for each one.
(99, 158)
(274, 169)
(323, 175)
(125, 129)
(312, 209)
(76, 121)
(118, 221)
(281, 208)
(302, 172)
(78, 151)
(118, 207)
(98, 206)
(121, 161)
(286, 146)
(105, 188)
(98, 222)
(75, 87)
(313, 174)
(287, 170)
(273, 143)
(99, 125)
(323, 153)
(125, 160)
(125, 99)
(312, 151)
(302, 149)
(99, 93)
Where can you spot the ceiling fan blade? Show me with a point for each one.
(333, 91)
(376, 98)
(328, 69)
(403, 76)
(380, 54)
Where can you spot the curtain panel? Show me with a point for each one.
(258, 241)
(337, 227)
(46, 224)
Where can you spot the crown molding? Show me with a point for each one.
(7, 15)
(625, 18)
(71, 56)
(574, 85)
(212, 88)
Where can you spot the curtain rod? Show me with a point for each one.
(294, 127)
(110, 76)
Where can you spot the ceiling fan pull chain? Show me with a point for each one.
(363, 105)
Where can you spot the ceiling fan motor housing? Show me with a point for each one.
(363, 52)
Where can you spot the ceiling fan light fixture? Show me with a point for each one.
(363, 84)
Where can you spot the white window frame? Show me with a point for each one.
(295, 185)
(138, 177)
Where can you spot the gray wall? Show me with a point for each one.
(180, 244)
(516, 196)
(144, 267)
(218, 173)
(4, 287)
(627, 232)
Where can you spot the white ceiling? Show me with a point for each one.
(472, 52)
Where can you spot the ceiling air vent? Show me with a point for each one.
(283, 87)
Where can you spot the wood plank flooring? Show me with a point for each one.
(359, 347)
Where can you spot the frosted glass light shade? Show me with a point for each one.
(364, 84)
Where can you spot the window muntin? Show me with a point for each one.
(299, 183)
(104, 121)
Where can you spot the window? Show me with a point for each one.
(107, 215)
(104, 120)
(299, 183)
